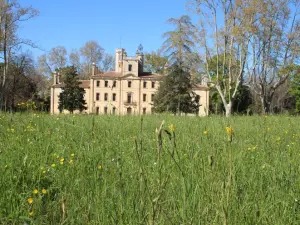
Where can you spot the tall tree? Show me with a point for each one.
(178, 44)
(11, 14)
(92, 53)
(275, 43)
(58, 57)
(224, 30)
(107, 63)
(72, 95)
(294, 71)
(175, 93)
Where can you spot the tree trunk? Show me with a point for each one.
(228, 109)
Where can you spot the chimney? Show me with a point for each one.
(93, 69)
(58, 78)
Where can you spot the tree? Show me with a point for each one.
(11, 14)
(294, 71)
(107, 63)
(275, 42)
(155, 62)
(58, 57)
(179, 42)
(175, 93)
(92, 53)
(72, 95)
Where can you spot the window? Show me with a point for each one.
(129, 84)
(114, 96)
(129, 111)
(106, 83)
(129, 67)
(144, 111)
(114, 83)
(105, 110)
(105, 97)
(152, 97)
(153, 84)
(97, 110)
(97, 96)
(98, 83)
(144, 97)
(129, 97)
(114, 110)
(145, 84)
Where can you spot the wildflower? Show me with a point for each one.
(99, 166)
(44, 191)
(30, 200)
(229, 131)
(44, 171)
(35, 191)
(53, 165)
(62, 160)
(31, 213)
(57, 118)
(205, 132)
(172, 127)
(71, 161)
(72, 154)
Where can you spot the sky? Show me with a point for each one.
(112, 23)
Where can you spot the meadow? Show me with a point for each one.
(126, 170)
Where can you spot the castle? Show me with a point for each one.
(127, 90)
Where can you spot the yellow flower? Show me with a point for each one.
(172, 127)
(229, 131)
(53, 165)
(205, 132)
(30, 200)
(99, 166)
(62, 160)
(31, 213)
(72, 154)
(44, 171)
(44, 191)
(35, 191)
(71, 161)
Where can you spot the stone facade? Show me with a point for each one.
(127, 90)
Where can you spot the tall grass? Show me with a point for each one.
(125, 170)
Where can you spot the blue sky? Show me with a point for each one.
(113, 23)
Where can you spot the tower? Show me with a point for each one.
(120, 53)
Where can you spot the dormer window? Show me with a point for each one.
(129, 67)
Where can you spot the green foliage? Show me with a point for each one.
(294, 74)
(175, 93)
(72, 95)
(155, 62)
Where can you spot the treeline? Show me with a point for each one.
(247, 52)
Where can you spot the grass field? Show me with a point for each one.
(117, 170)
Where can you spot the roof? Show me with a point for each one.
(84, 84)
(113, 74)
(200, 87)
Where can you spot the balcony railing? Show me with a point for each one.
(130, 103)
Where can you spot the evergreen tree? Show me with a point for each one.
(175, 93)
(72, 95)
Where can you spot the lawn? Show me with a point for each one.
(87, 169)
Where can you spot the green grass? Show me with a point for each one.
(112, 173)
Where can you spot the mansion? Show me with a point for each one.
(127, 90)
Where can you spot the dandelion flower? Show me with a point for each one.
(30, 200)
(172, 127)
(72, 154)
(205, 132)
(31, 213)
(99, 166)
(35, 191)
(53, 165)
(229, 131)
(44, 191)
(62, 160)
(44, 171)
